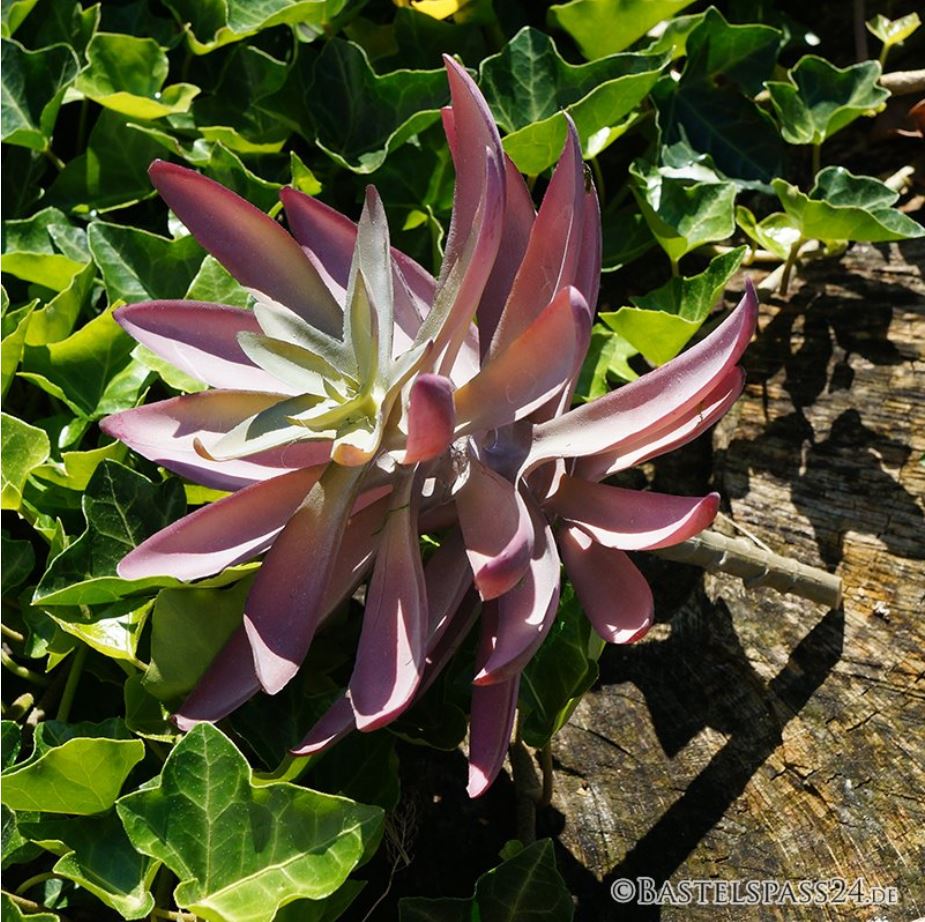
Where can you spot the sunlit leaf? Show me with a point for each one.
(25, 447)
(243, 851)
(819, 99)
(661, 323)
(529, 86)
(842, 206)
(592, 22)
(127, 74)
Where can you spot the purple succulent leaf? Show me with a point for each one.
(165, 432)
(655, 401)
(249, 244)
(336, 722)
(553, 251)
(525, 613)
(530, 370)
(390, 656)
(229, 681)
(588, 270)
(331, 237)
(613, 593)
(491, 720)
(651, 443)
(497, 529)
(632, 520)
(474, 140)
(201, 340)
(518, 217)
(229, 531)
(285, 604)
(431, 418)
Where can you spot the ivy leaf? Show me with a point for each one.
(12, 913)
(74, 470)
(215, 23)
(18, 561)
(33, 88)
(359, 116)
(242, 851)
(14, 12)
(121, 509)
(13, 343)
(777, 232)
(242, 110)
(711, 105)
(55, 320)
(662, 322)
(57, 22)
(140, 266)
(70, 773)
(626, 237)
(591, 22)
(10, 738)
(893, 31)
(96, 854)
(25, 447)
(92, 371)
(112, 172)
(842, 206)
(525, 886)
(529, 86)
(188, 628)
(31, 251)
(126, 74)
(684, 208)
(607, 359)
(564, 668)
(113, 630)
(820, 99)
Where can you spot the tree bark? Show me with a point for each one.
(755, 736)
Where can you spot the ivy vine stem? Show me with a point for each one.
(70, 687)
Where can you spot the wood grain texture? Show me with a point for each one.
(754, 736)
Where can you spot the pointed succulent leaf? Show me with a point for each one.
(614, 594)
(497, 529)
(491, 721)
(285, 604)
(244, 851)
(251, 245)
(302, 370)
(200, 340)
(632, 520)
(168, 433)
(391, 650)
(230, 531)
(531, 369)
(526, 612)
(552, 253)
(431, 418)
(655, 400)
(678, 431)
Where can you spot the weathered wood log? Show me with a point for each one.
(753, 735)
